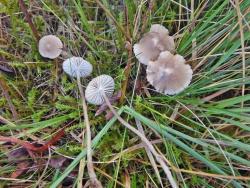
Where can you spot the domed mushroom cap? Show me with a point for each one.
(75, 65)
(50, 46)
(103, 84)
(169, 74)
(153, 43)
(157, 28)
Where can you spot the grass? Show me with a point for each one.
(202, 133)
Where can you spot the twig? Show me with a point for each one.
(146, 141)
(129, 63)
(93, 179)
(30, 146)
(28, 19)
(126, 72)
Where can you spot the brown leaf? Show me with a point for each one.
(108, 115)
(17, 154)
(57, 162)
(32, 147)
(21, 168)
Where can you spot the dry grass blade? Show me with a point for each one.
(93, 178)
(242, 48)
(150, 156)
(146, 141)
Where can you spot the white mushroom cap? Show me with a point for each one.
(153, 43)
(157, 28)
(103, 84)
(75, 65)
(50, 46)
(169, 74)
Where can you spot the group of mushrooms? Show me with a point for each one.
(167, 72)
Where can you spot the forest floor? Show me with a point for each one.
(202, 134)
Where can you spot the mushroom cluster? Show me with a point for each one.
(167, 72)
(153, 43)
(155, 50)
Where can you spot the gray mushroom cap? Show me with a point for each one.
(153, 43)
(50, 46)
(77, 65)
(169, 74)
(103, 84)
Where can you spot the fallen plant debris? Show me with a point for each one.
(32, 147)
(181, 69)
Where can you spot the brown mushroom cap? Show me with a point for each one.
(153, 43)
(50, 46)
(169, 74)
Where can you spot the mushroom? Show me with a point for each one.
(169, 74)
(97, 87)
(153, 43)
(50, 46)
(75, 65)
(78, 67)
(97, 92)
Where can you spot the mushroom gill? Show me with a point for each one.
(153, 43)
(169, 74)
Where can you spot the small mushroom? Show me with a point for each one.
(50, 46)
(97, 92)
(169, 74)
(153, 43)
(98, 87)
(77, 65)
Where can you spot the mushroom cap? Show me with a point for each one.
(157, 28)
(169, 74)
(153, 43)
(103, 84)
(75, 65)
(50, 46)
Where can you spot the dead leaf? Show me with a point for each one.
(57, 162)
(108, 115)
(17, 154)
(21, 168)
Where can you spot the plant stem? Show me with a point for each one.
(28, 19)
(145, 140)
(90, 166)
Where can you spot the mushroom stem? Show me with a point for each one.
(145, 140)
(90, 166)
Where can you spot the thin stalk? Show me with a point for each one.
(237, 3)
(90, 166)
(29, 19)
(145, 140)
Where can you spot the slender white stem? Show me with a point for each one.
(90, 166)
(145, 140)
